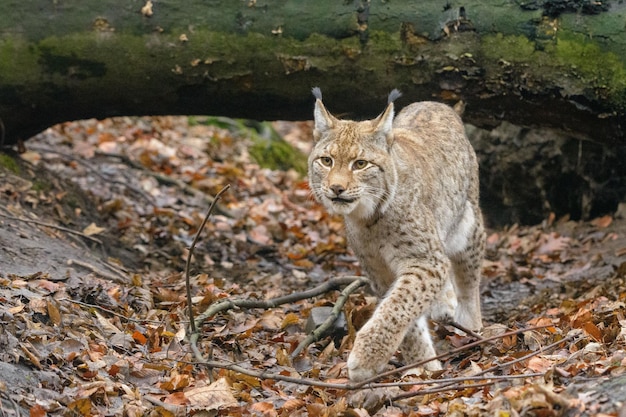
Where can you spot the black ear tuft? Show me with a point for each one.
(317, 93)
(395, 94)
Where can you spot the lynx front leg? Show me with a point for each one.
(411, 296)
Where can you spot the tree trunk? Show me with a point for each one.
(557, 64)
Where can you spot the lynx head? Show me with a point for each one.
(350, 170)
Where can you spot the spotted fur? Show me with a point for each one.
(408, 191)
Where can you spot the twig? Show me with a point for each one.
(115, 278)
(351, 386)
(317, 334)
(485, 371)
(53, 226)
(449, 353)
(323, 288)
(192, 323)
(530, 355)
(16, 407)
(106, 310)
(466, 330)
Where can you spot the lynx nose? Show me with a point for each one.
(337, 189)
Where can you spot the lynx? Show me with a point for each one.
(407, 189)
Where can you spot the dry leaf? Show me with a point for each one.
(213, 397)
(92, 230)
(54, 313)
(139, 338)
(81, 407)
(106, 325)
(266, 408)
(37, 411)
(602, 222)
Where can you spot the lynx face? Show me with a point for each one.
(350, 171)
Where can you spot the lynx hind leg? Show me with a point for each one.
(418, 345)
(466, 271)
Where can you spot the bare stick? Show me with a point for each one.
(317, 334)
(106, 310)
(192, 323)
(449, 353)
(370, 384)
(53, 226)
(485, 371)
(228, 304)
(466, 330)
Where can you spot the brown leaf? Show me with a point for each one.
(539, 364)
(175, 383)
(216, 396)
(292, 404)
(37, 411)
(139, 338)
(93, 229)
(265, 407)
(54, 313)
(602, 222)
(553, 243)
(291, 318)
(81, 407)
(592, 330)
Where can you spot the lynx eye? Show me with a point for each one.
(326, 161)
(359, 164)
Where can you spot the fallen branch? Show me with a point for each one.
(192, 322)
(369, 384)
(501, 366)
(319, 332)
(53, 226)
(330, 285)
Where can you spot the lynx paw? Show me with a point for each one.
(360, 369)
(444, 309)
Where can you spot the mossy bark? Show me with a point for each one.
(557, 64)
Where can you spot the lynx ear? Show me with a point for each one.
(383, 125)
(324, 121)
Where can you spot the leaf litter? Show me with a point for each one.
(99, 327)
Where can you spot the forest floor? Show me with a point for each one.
(96, 222)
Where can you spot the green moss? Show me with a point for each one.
(9, 163)
(268, 148)
(275, 153)
(603, 71)
(509, 48)
(41, 185)
(585, 63)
